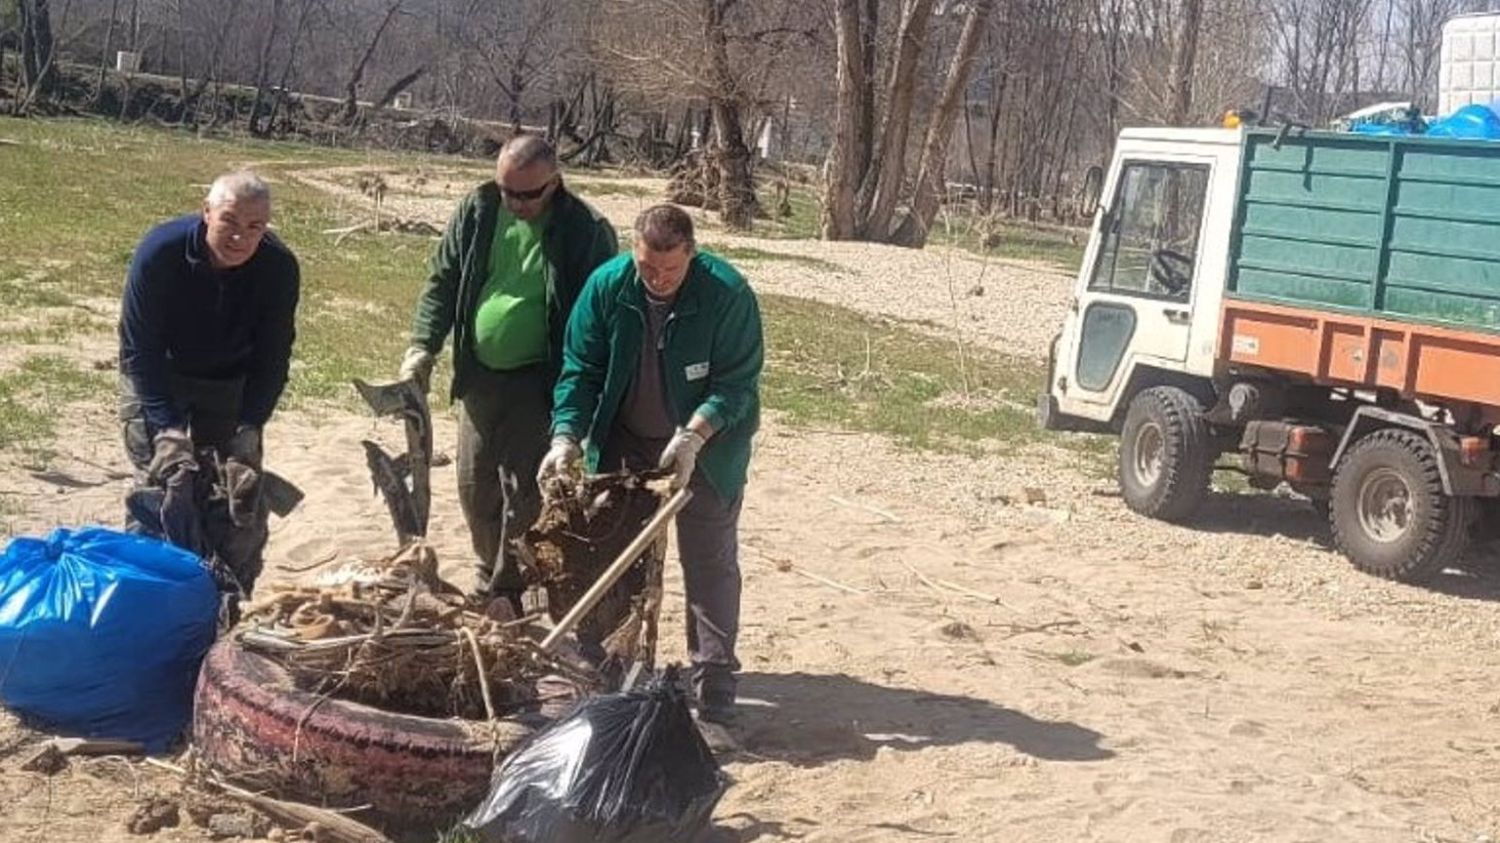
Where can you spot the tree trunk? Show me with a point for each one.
(995, 149)
(1184, 54)
(263, 72)
(286, 69)
(736, 185)
(181, 58)
(398, 86)
(357, 75)
(868, 51)
(210, 73)
(36, 47)
(886, 177)
(843, 169)
(929, 184)
(109, 42)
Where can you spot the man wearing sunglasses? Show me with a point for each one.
(503, 280)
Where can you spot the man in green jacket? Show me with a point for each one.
(661, 368)
(503, 280)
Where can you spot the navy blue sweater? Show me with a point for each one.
(180, 315)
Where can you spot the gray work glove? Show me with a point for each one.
(417, 366)
(681, 456)
(562, 458)
(242, 489)
(171, 451)
(245, 446)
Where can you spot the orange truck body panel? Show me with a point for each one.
(1439, 365)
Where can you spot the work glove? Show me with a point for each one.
(242, 490)
(417, 366)
(562, 458)
(245, 446)
(171, 451)
(681, 456)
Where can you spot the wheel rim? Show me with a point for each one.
(1385, 505)
(1149, 449)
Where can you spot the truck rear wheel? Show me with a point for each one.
(1390, 514)
(1166, 454)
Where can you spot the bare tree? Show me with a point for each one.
(671, 54)
(1184, 53)
(37, 45)
(357, 72)
(1422, 39)
(927, 192)
(109, 39)
(517, 43)
(870, 198)
(263, 70)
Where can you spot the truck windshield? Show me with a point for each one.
(1151, 235)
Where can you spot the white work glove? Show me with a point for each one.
(417, 366)
(681, 456)
(562, 458)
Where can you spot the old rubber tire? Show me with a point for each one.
(1390, 515)
(253, 725)
(1166, 454)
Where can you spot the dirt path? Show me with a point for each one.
(1132, 681)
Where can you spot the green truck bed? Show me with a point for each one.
(1401, 228)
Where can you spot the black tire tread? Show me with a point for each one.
(1188, 461)
(1443, 537)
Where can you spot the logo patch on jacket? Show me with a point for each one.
(696, 371)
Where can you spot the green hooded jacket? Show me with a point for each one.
(577, 240)
(712, 351)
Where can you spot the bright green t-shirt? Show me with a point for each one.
(510, 324)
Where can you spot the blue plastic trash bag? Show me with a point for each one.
(101, 633)
(1476, 122)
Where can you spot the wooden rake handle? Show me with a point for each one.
(617, 568)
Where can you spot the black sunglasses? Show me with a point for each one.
(526, 195)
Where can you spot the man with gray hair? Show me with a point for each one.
(503, 281)
(206, 329)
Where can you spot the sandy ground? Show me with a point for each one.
(985, 650)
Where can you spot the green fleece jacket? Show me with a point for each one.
(577, 240)
(712, 350)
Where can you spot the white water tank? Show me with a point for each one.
(1469, 62)
(127, 61)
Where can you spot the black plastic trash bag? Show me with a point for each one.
(622, 768)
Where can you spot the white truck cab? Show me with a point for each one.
(1153, 277)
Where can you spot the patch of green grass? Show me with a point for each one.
(805, 222)
(456, 834)
(53, 327)
(828, 366)
(599, 186)
(750, 254)
(32, 396)
(1016, 241)
(1071, 658)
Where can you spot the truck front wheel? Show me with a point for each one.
(1390, 515)
(1166, 454)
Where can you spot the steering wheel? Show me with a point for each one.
(1171, 269)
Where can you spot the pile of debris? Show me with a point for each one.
(398, 637)
(585, 524)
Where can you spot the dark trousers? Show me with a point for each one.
(708, 544)
(503, 421)
(212, 407)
